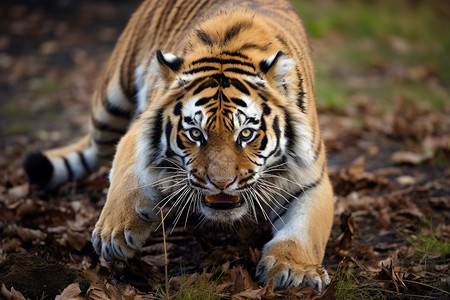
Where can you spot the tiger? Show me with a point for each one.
(208, 107)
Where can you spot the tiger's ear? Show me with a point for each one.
(277, 67)
(169, 64)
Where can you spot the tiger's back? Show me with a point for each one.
(225, 116)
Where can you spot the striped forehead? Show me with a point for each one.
(215, 111)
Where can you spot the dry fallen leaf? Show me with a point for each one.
(408, 157)
(72, 291)
(29, 235)
(241, 280)
(12, 294)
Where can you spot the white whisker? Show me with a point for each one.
(264, 200)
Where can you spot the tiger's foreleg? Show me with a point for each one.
(294, 255)
(128, 217)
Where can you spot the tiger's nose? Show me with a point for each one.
(221, 184)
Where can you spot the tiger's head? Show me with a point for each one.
(221, 133)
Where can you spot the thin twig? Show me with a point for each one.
(165, 255)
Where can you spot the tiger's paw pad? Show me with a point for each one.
(119, 241)
(286, 274)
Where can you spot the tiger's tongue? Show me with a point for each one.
(222, 198)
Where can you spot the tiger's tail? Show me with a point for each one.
(53, 168)
(111, 113)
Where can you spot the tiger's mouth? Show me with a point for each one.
(223, 201)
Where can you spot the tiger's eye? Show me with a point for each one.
(196, 134)
(246, 133)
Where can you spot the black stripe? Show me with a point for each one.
(223, 61)
(192, 84)
(303, 190)
(84, 162)
(198, 178)
(289, 132)
(240, 86)
(301, 94)
(202, 101)
(195, 184)
(238, 54)
(239, 71)
(190, 161)
(253, 162)
(262, 97)
(244, 180)
(239, 102)
(234, 30)
(180, 143)
(105, 127)
(204, 37)
(207, 84)
(254, 86)
(255, 46)
(116, 111)
(177, 109)
(69, 169)
(189, 120)
(263, 145)
(276, 129)
(105, 143)
(301, 102)
(266, 109)
(201, 69)
(157, 129)
(168, 132)
(311, 185)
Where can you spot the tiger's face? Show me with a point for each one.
(221, 132)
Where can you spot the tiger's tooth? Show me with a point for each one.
(235, 199)
(210, 199)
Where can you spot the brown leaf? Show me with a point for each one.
(440, 202)
(408, 157)
(77, 240)
(441, 268)
(72, 291)
(154, 260)
(406, 180)
(13, 294)
(255, 255)
(97, 292)
(113, 292)
(348, 229)
(354, 178)
(249, 294)
(241, 280)
(19, 191)
(29, 235)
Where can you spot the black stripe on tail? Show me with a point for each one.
(38, 168)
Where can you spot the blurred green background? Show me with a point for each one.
(380, 51)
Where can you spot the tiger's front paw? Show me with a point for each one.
(121, 232)
(286, 274)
